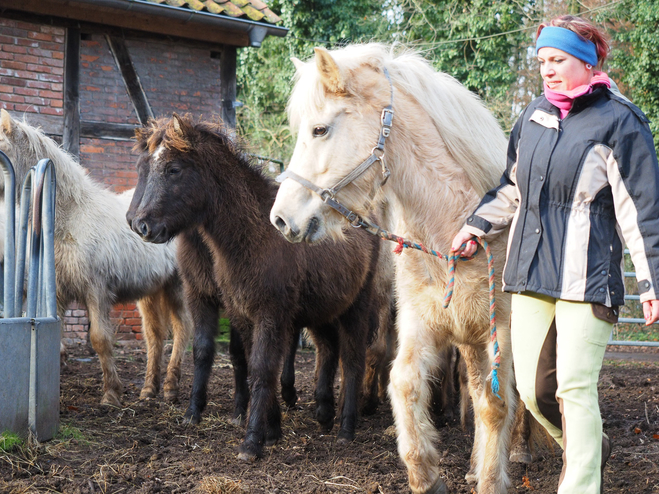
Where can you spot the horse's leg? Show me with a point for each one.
(101, 335)
(377, 362)
(462, 379)
(288, 392)
(239, 362)
(265, 361)
(496, 416)
(154, 332)
(325, 340)
(520, 451)
(410, 394)
(475, 379)
(182, 325)
(205, 313)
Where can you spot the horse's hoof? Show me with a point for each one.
(290, 398)
(238, 420)
(271, 441)
(191, 419)
(345, 437)
(439, 487)
(147, 394)
(171, 396)
(111, 398)
(521, 457)
(248, 457)
(370, 407)
(471, 477)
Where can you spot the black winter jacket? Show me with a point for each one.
(574, 192)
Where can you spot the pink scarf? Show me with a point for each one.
(563, 99)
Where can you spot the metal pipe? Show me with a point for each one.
(257, 31)
(10, 240)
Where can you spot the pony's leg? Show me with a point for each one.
(325, 340)
(239, 363)
(462, 378)
(101, 335)
(154, 332)
(288, 392)
(377, 362)
(496, 416)
(520, 451)
(475, 381)
(264, 365)
(181, 331)
(205, 312)
(410, 394)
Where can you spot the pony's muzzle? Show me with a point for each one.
(291, 233)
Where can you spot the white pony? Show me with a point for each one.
(100, 262)
(445, 150)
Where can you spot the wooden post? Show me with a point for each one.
(131, 79)
(71, 105)
(228, 85)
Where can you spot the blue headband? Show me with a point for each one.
(568, 41)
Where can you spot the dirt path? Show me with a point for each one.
(145, 448)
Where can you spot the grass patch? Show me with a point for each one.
(9, 441)
(67, 432)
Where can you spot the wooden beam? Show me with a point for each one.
(228, 85)
(131, 79)
(71, 105)
(105, 130)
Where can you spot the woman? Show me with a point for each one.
(582, 180)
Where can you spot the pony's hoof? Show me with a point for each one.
(289, 397)
(191, 419)
(147, 394)
(110, 398)
(521, 457)
(238, 420)
(471, 477)
(248, 457)
(343, 438)
(439, 487)
(171, 396)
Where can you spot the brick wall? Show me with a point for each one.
(31, 67)
(176, 76)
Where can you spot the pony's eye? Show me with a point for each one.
(319, 131)
(173, 170)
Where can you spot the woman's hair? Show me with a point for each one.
(583, 28)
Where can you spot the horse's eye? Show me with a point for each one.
(173, 170)
(319, 130)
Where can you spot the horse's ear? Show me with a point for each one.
(178, 123)
(330, 73)
(5, 121)
(297, 62)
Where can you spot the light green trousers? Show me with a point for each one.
(580, 342)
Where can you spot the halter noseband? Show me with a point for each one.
(377, 154)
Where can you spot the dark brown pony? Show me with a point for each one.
(194, 182)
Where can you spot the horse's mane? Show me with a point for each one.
(164, 132)
(71, 177)
(470, 132)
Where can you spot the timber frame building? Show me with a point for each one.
(90, 71)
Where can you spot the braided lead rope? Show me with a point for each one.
(448, 294)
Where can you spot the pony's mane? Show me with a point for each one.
(164, 132)
(71, 177)
(470, 132)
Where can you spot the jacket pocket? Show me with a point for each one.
(604, 313)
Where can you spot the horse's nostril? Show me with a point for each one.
(281, 224)
(143, 228)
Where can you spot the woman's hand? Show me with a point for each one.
(464, 238)
(651, 311)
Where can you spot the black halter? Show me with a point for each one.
(377, 154)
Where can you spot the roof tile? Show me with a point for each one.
(255, 10)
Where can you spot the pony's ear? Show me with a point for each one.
(330, 73)
(178, 123)
(181, 128)
(5, 121)
(297, 62)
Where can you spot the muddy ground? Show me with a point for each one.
(145, 448)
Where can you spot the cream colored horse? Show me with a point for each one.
(444, 152)
(99, 261)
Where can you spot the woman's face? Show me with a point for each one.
(561, 71)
